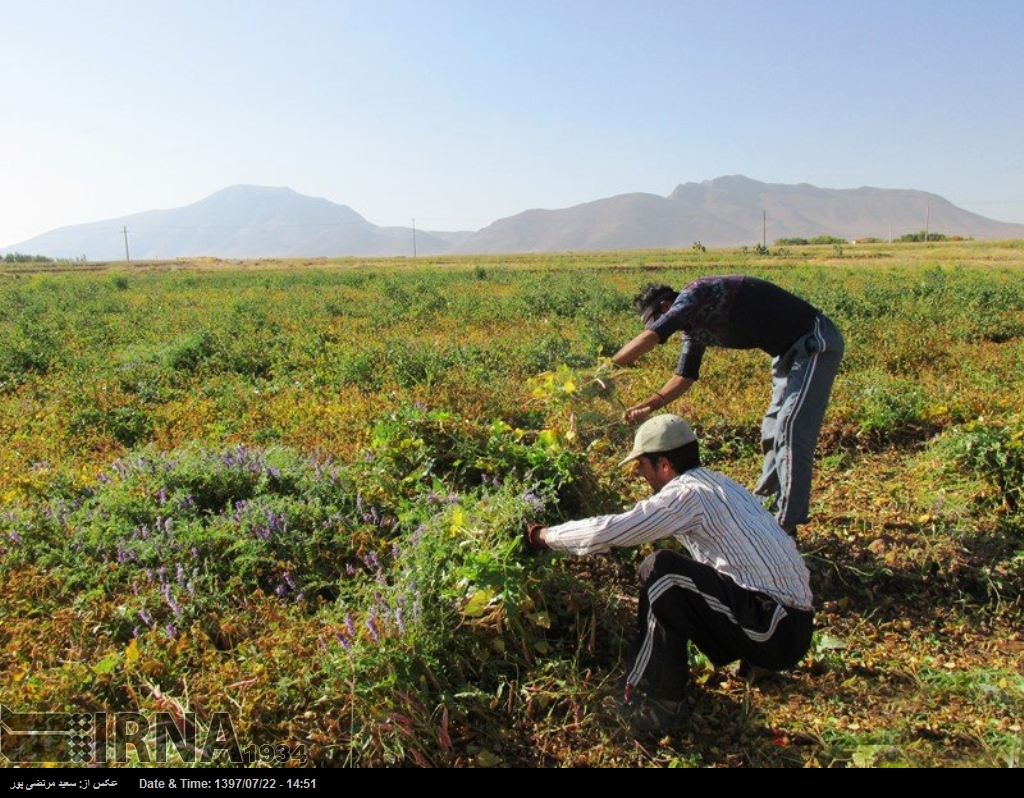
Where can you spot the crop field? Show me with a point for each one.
(269, 512)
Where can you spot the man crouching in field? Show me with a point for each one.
(742, 594)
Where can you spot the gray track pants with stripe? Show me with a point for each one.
(802, 380)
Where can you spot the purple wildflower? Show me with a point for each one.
(169, 600)
(417, 603)
(534, 501)
(371, 625)
(276, 523)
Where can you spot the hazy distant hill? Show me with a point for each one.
(255, 221)
(731, 211)
(237, 222)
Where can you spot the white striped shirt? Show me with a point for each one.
(719, 522)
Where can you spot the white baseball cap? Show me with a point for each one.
(660, 434)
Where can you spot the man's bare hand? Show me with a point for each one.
(636, 413)
(533, 537)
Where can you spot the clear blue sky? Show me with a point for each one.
(460, 112)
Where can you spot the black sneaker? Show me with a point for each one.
(753, 674)
(651, 716)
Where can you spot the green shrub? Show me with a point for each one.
(31, 348)
(191, 351)
(921, 235)
(261, 519)
(18, 257)
(890, 407)
(993, 451)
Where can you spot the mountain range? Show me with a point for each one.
(258, 221)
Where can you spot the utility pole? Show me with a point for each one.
(414, 236)
(127, 257)
(927, 223)
(764, 228)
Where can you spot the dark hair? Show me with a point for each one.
(652, 293)
(682, 459)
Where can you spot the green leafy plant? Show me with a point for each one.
(994, 452)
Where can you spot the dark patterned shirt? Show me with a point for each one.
(733, 312)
